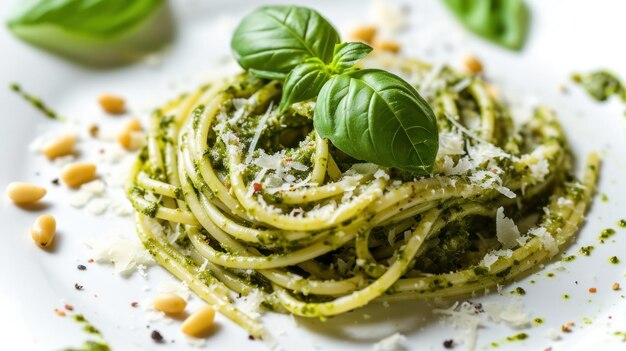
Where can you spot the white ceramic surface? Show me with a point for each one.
(566, 36)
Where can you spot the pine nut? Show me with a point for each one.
(363, 33)
(25, 193)
(169, 303)
(131, 137)
(112, 104)
(78, 173)
(199, 323)
(388, 46)
(472, 64)
(43, 230)
(61, 146)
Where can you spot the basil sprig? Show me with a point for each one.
(371, 115)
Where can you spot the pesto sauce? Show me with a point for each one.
(606, 234)
(601, 85)
(569, 258)
(517, 337)
(586, 250)
(36, 102)
(538, 321)
(90, 345)
(621, 334)
(565, 297)
(519, 291)
(614, 260)
(621, 223)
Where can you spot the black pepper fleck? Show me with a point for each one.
(78, 286)
(81, 267)
(250, 337)
(55, 181)
(156, 336)
(448, 344)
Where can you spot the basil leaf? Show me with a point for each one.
(273, 40)
(93, 31)
(375, 116)
(504, 22)
(304, 82)
(346, 55)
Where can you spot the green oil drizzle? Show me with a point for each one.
(621, 223)
(538, 321)
(36, 102)
(614, 260)
(565, 297)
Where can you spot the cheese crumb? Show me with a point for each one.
(512, 314)
(506, 230)
(393, 342)
(548, 242)
(124, 254)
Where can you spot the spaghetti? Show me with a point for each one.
(232, 196)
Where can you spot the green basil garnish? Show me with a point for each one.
(347, 55)
(376, 116)
(504, 22)
(304, 82)
(273, 40)
(371, 115)
(97, 32)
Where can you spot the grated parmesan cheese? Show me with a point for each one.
(463, 316)
(393, 342)
(512, 314)
(124, 254)
(506, 230)
(548, 242)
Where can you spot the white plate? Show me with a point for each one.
(566, 36)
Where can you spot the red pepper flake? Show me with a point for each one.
(59, 312)
(90, 260)
(615, 286)
(593, 290)
(134, 304)
(257, 187)
(69, 307)
(494, 171)
(102, 151)
(565, 329)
